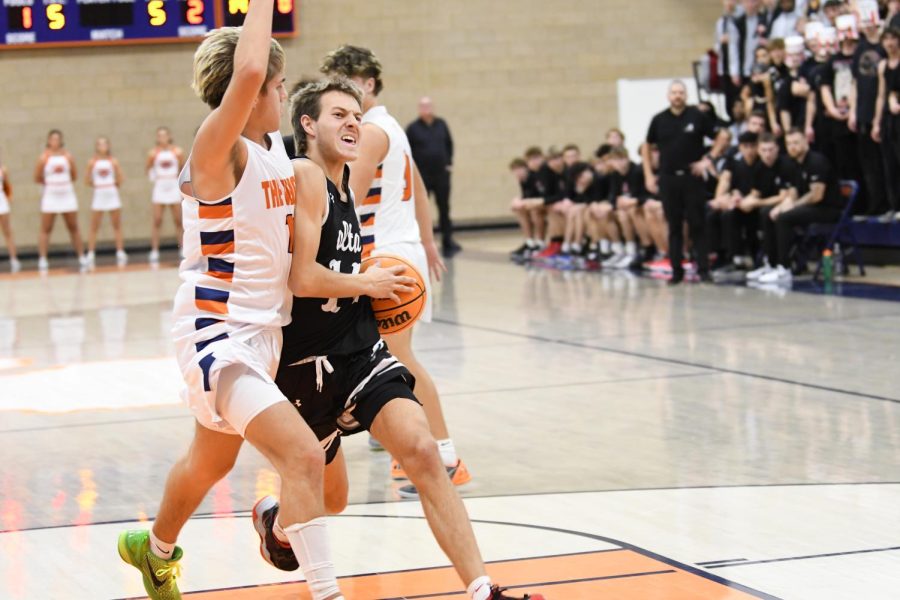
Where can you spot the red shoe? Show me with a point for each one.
(551, 250)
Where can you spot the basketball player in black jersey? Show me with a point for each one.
(334, 365)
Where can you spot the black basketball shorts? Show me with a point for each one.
(342, 394)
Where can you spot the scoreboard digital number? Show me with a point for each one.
(234, 12)
(54, 23)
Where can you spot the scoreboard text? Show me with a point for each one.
(31, 23)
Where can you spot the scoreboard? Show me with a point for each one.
(54, 23)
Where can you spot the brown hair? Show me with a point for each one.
(214, 64)
(308, 101)
(518, 163)
(534, 152)
(353, 61)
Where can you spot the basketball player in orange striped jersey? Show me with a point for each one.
(238, 203)
(5, 198)
(164, 162)
(334, 364)
(56, 172)
(395, 218)
(105, 176)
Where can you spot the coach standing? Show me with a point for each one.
(432, 148)
(678, 132)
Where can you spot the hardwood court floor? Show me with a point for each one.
(731, 442)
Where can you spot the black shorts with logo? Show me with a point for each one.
(342, 394)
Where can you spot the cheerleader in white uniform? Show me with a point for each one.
(105, 176)
(5, 197)
(55, 171)
(164, 163)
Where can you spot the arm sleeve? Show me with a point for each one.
(818, 169)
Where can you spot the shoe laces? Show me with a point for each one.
(170, 570)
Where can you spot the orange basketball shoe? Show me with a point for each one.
(459, 475)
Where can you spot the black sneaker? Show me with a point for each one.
(520, 254)
(273, 551)
(497, 594)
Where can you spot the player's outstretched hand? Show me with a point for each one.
(388, 283)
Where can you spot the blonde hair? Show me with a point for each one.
(308, 101)
(214, 64)
(354, 61)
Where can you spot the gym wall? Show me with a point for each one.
(505, 74)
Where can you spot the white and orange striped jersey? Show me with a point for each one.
(388, 213)
(237, 254)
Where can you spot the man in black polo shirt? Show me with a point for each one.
(432, 148)
(679, 132)
(736, 228)
(814, 198)
(771, 185)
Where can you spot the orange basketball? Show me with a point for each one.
(393, 317)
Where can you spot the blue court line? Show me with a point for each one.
(807, 557)
(543, 584)
(674, 361)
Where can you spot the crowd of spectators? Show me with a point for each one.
(811, 90)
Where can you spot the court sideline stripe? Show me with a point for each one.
(673, 361)
(542, 584)
(246, 513)
(807, 557)
(607, 540)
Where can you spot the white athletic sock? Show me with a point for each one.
(617, 247)
(576, 248)
(604, 246)
(160, 548)
(480, 589)
(448, 452)
(630, 248)
(313, 551)
(565, 247)
(531, 243)
(279, 533)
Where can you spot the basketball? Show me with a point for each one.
(393, 317)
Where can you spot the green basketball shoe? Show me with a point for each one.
(159, 574)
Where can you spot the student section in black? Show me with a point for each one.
(326, 326)
(816, 168)
(743, 174)
(769, 181)
(631, 184)
(552, 184)
(680, 138)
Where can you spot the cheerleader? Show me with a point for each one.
(5, 197)
(164, 163)
(55, 171)
(105, 176)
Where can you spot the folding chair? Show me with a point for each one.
(842, 231)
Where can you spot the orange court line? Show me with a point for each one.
(613, 574)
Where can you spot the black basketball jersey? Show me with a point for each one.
(327, 326)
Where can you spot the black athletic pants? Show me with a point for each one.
(778, 235)
(890, 156)
(439, 185)
(872, 166)
(684, 197)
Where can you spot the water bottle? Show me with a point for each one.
(827, 268)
